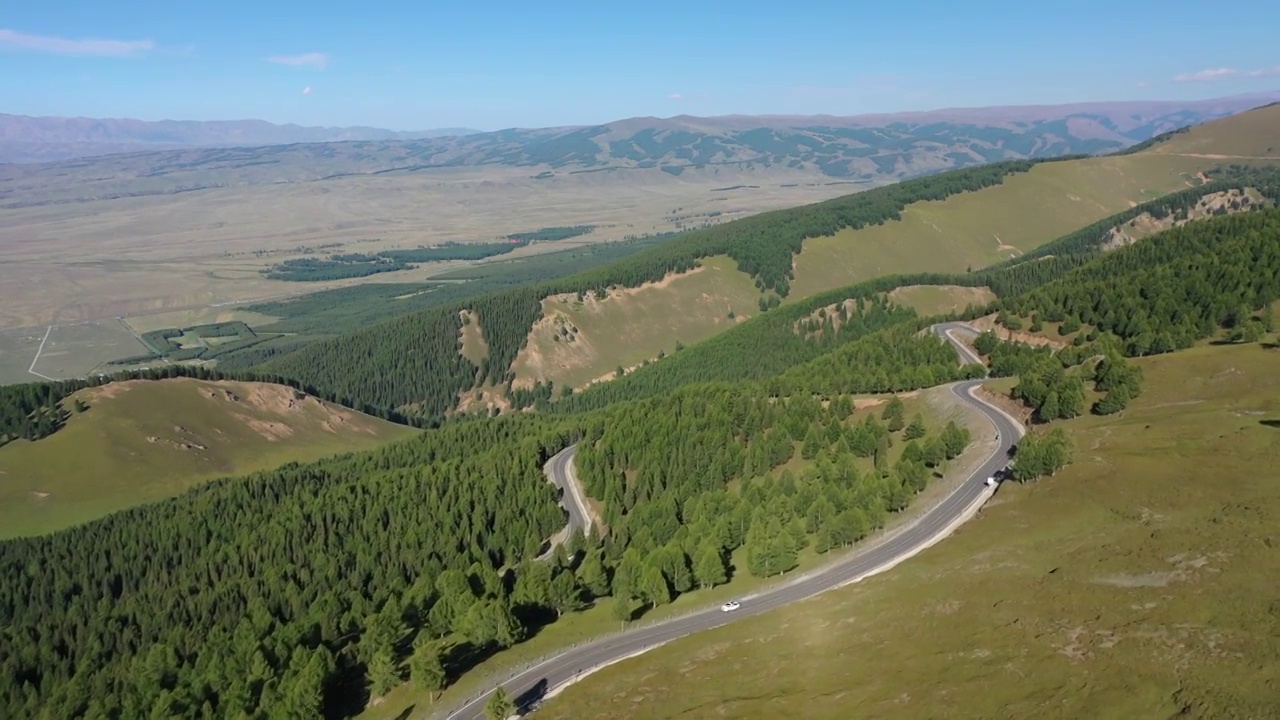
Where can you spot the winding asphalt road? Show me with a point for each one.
(533, 683)
(559, 470)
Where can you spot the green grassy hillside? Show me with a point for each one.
(577, 343)
(962, 231)
(140, 441)
(1249, 135)
(1135, 583)
(994, 224)
(681, 290)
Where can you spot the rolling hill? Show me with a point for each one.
(598, 326)
(960, 232)
(142, 441)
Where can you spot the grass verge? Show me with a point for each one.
(1136, 583)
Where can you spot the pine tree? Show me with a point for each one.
(565, 594)
(383, 673)
(626, 577)
(916, 429)
(893, 412)
(622, 608)
(1113, 402)
(500, 705)
(813, 442)
(594, 577)
(1041, 455)
(426, 669)
(882, 456)
(1071, 398)
(653, 586)
(934, 452)
(533, 584)
(710, 569)
(954, 440)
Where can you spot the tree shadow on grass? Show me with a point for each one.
(1275, 424)
(346, 694)
(461, 658)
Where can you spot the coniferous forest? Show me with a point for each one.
(306, 590)
(419, 346)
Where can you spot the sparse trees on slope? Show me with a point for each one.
(893, 414)
(1039, 456)
(916, 429)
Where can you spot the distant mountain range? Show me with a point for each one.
(861, 149)
(25, 139)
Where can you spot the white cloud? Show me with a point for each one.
(1207, 75)
(1142, 83)
(676, 96)
(306, 90)
(1225, 73)
(313, 59)
(65, 46)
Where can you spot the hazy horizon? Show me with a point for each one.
(407, 68)
(1262, 95)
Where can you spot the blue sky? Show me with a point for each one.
(425, 64)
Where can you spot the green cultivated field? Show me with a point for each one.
(975, 229)
(1139, 582)
(197, 316)
(146, 440)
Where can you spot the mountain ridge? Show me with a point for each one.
(1067, 127)
(824, 149)
(27, 139)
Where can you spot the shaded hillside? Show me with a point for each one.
(857, 149)
(139, 441)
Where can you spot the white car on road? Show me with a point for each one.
(730, 606)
